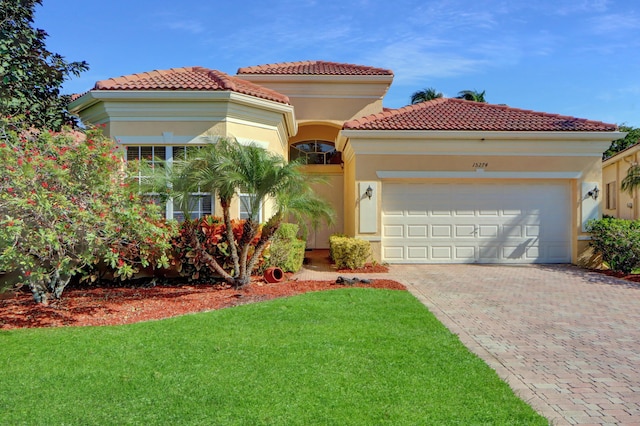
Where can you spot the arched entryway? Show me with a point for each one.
(315, 145)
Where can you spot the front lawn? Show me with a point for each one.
(345, 357)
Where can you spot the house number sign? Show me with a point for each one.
(480, 165)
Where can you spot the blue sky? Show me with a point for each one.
(570, 57)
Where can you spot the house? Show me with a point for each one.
(618, 203)
(444, 181)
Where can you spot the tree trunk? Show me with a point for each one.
(268, 231)
(249, 232)
(230, 238)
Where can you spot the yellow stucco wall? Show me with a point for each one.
(313, 131)
(623, 205)
(174, 121)
(336, 110)
(365, 167)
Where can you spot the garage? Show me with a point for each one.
(476, 222)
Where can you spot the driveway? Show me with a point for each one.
(566, 340)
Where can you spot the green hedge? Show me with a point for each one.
(618, 242)
(286, 250)
(349, 253)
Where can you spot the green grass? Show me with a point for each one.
(344, 357)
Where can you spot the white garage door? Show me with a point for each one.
(469, 223)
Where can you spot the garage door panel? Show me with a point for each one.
(392, 253)
(512, 231)
(533, 253)
(417, 231)
(532, 230)
(441, 231)
(465, 253)
(488, 223)
(489, 253)
(465, 231)
(417, 253)
(392, 231)
(441, 253)
(488, 231)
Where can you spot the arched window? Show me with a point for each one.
(315, 152)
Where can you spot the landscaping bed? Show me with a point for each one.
(125, 305)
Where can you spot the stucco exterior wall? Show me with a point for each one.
(621, 204)
(576, 171)
(313, 131)
(328, 98)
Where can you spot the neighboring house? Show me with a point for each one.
(445, 181)
(618, 203)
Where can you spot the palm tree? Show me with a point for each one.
(427, 94)
(632, 180)
(227, 169)
(471, 95)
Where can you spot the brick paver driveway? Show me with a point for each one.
(566, 340)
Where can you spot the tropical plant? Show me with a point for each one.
(65, 207)
(31, 75)
(471, 95)
(229, 169)
(427, 94)
(632, 180)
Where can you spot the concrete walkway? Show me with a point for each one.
(566, 340)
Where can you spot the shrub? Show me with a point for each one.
(199, 240)
(65, 206)
(618, 242)
(287, 250)
(349, 253)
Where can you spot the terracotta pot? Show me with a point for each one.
(273, 274)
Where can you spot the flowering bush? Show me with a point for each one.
(65, 206)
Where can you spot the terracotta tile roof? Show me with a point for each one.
(189, 79)
(314, 68)
(458, 114)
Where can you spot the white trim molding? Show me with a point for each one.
(478, 174)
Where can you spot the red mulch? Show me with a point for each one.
(123, 305)
(628, 277)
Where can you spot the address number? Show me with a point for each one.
(480, 165)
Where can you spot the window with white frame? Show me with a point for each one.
(199, 203)
(246, 200)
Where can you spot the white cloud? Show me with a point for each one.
(414, 61)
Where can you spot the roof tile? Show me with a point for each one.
(314, 68)
(461, 115)
(190, 79)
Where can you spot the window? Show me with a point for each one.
(245, 206)
(315, 152)
(199, 203)
(612, 190)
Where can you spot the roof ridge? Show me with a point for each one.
(189, 79)
(459, 114)
(279, 67)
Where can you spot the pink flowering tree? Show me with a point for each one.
(66, 206)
